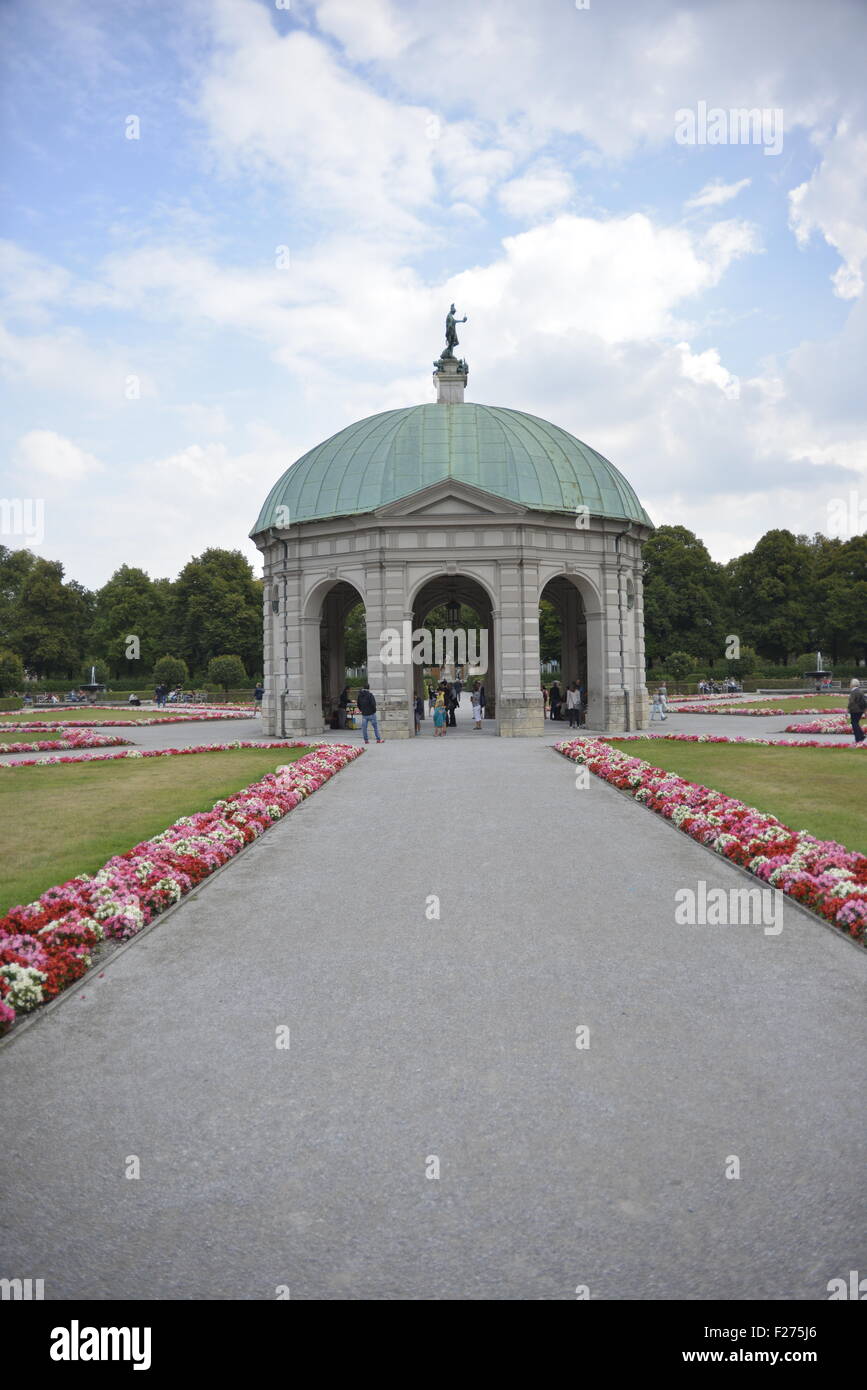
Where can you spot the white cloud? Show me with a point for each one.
(286, 107)
(371, 30)
(715, 193)
(540, 190)
(49, 454)
(834, 203)
(705, 368)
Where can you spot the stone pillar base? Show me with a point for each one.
(395, 720)
(626, 716)
(615, 713)
(294, 720)
(520, 718)
(641, 707)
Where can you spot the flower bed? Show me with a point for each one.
(754, 713)
(820, 874)
(164, 752)
(48, 944)
(35, 724)
(834, 725)
(71, 738)
(717, 738)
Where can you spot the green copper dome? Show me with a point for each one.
(389, 456)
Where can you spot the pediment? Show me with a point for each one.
(451, 499)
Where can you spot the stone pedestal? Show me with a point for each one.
(395, 720)
(521, 718)
(450, 378)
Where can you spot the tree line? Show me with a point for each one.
(787, 597)
(52, 627)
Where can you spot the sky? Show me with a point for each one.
(233, 227)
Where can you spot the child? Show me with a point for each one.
(439, 717)
(476, 702)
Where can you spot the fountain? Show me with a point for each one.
(819, 675)
(93, 685)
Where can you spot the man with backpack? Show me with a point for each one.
(367, 705)
(857, 706)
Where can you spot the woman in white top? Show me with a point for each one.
(573, 704)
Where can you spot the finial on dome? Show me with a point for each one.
(450, 372)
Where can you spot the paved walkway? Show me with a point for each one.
(455, 1038)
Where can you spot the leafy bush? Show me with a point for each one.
(171, 672)
(11, 672)
(226, 671)
(680, 664)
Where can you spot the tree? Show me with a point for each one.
(15, 565)
(172, 672)
(743, 665)
(774, 596)
(129, 606)
(216, 607)
(550, 632)
(49, 620)
(841, 585)
(679, 665)
(11, 672)
(355, 636)
(685, 597)
(227, 671)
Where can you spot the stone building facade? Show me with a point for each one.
(453, 503)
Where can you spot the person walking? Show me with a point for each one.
(342, 707)
(418, 712)
(454, 701)
(367, 705)
(258, 693)
(458, 687)
(556, 700)
(439, 716)
(573, 704)
(857, 706)
(432, 697)
(545, 701)
(482, 698)
(476, 702)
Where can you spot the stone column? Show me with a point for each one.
(519, 703)
(642, 699)
(391, 683)
(283, 714)
(310, 643)
(615, 701)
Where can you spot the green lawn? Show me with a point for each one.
(66, 820)
(821, 790)
(91, 715)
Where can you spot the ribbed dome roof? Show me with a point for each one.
(505, 452)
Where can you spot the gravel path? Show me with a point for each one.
(415, 1037)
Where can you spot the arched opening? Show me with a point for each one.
(337, 636)
(563, 636)
(460, 605)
